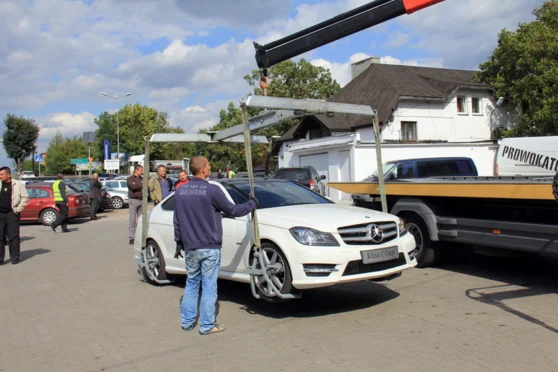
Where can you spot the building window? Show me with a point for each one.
(409, 131)
(461, 105)
(476, 106)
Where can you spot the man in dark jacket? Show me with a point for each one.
(198, 231)
(135, 195)
(94, 194)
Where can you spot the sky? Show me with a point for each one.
(188, 57)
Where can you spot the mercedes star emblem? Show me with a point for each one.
(376, 234)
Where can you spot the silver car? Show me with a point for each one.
(118, 185)
(119, 198)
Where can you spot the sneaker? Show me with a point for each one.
(131, 241)
(53, 228)
(215, 329)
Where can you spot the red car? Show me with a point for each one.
(41, 206)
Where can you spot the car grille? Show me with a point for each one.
(363, 234)
(357, 267)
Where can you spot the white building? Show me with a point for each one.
(423, 112)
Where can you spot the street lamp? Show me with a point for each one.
(117, 126)
(498, 104)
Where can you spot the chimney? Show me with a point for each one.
(358, 67)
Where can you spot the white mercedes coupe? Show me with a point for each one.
(311, 241)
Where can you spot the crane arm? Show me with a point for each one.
(336, 28)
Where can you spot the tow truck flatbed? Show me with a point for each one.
(511, 187)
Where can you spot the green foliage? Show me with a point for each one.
(60, 152)
(20, 138)
(524, 70)
(286, 79)
(135, 123)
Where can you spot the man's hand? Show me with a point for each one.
(179, 248)
(255, 200)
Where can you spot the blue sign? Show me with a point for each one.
(39, 158)
(107, 149)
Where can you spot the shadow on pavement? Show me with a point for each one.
(26, 255)
(25, 238)
(518, 277)
(316, 302)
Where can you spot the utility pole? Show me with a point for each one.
(117, 126)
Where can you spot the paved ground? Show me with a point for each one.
(75, 304)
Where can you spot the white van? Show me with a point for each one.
(527, 156)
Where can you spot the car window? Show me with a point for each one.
(37, 193)
(464, 167)
(438, 168)
(278, 194)
(298, 174)
(111, 184)
(405, 170)
(123, 184)
(169, 204)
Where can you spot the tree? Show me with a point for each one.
(524, 69)
(288, 80)
(137, 122)
(61, 151)
(20, 138)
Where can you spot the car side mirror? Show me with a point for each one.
(322, 177)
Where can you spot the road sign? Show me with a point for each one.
(111, 164)
(73, 161)
(39, 158)
(82, 161)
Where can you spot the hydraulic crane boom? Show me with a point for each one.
(336, 28)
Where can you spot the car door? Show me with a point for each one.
(123, 186)
(38, 200)
(165, 228)
(237, 234)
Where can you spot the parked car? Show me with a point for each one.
(119, 198)
(307, 176)
(42, 208)
(425, 168)
(312, 241)
(27, 175)
(120, 185)
(83, 186)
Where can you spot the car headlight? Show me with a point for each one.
(401, 226)
(308, 236)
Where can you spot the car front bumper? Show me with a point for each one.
(315, 267)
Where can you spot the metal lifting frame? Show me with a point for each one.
(276, 111)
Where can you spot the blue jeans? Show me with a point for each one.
(202, 267)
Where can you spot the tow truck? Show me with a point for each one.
(494, 215)
(277, 110)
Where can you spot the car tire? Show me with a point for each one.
(158, 267)
(117, 203)
(274, 255)
(48, 216)
(416, 227)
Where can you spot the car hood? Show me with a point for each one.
(323, 217)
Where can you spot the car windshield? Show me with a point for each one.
(297, 174)
(387, 167)
(272, 194)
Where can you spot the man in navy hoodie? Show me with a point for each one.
(199, 232)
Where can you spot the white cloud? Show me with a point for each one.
(196, 117)
(464, 33)
(69, 125)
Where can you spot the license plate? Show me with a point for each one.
(380, 255)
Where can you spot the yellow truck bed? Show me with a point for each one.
(537, 188)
